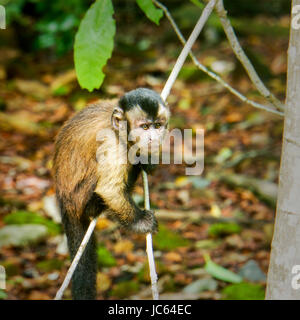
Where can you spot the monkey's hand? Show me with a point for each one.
(144, 222)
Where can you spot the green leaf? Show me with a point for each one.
(166, 240)
(105, 258)
(199, 183)
(94, 43)
(221, 273)
(125, 289)
(244, 291)
(49, 265)
(223, 155)
(3, 295)
(208, 244)
(150, 10)
(198, 3)
(223, 229)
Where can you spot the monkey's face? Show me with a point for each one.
(146, 133)
(146, 118)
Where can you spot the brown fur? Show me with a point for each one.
(78, 174)
(75, 179)
(75, 163)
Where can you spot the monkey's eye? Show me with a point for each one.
(157, 125)
(145, 126)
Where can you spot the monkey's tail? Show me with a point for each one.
(84, 278)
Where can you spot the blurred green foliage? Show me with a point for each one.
(53, 23)
(223, 229)
(251, 8)
(49, 265)
(105, 258)
(3, 295)
(168, 240)
(125, 289)
(27, 217)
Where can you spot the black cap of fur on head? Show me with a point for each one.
(147, 99)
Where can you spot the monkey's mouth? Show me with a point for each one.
(147, 158)
(149, 147)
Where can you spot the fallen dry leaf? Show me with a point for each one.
(123, 246)
(103, 281)
(173, 257)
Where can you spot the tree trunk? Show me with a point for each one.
(285, 253)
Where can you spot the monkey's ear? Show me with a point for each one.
(117, 116)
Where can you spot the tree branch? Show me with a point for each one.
(187, 48)
(211, 73)
(240, 54)
(149, 246)
(164, 94)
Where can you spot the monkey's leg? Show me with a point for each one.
(84, 277)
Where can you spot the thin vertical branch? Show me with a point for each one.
(149, 246)
(164, 94)
(187, 48)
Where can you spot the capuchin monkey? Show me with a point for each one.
(90, 179)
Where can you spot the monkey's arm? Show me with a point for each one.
(112, 189)
(117, 200)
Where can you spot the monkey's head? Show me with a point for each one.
(146, 116)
